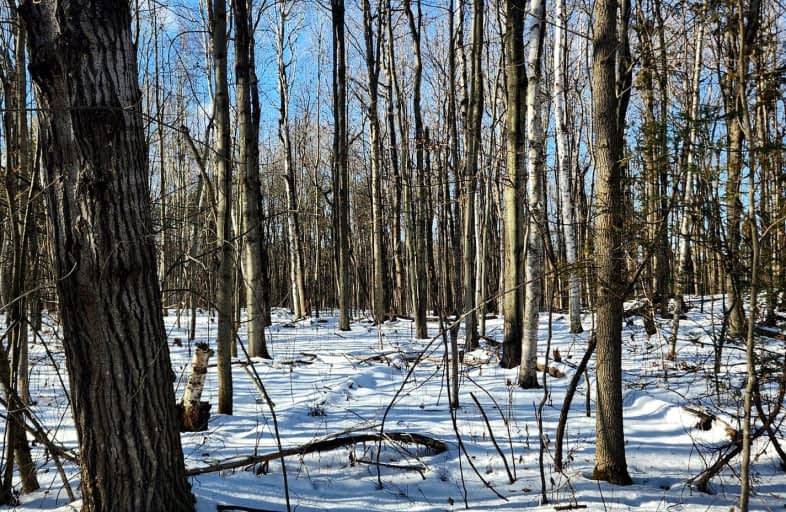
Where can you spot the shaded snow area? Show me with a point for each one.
(328, 383)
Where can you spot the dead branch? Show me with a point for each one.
(323, 445)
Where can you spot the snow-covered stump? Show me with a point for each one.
(195, 413)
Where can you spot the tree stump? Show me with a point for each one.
(194, 413)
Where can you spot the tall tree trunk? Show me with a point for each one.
(513, 184)
(610, 464)
(340, 165)
(248, 139)
(96, 176)
(372, 47)
(474, 121)
(223, 179)
(417, 236)
(296, 284)
(686, 223)
(565, 167)
(534, 261)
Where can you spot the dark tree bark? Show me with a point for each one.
(96, 171)
(610, 464)
(340, 164)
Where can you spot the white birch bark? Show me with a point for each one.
(565, 167)
(533, 266)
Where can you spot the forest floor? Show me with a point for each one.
(327, 383)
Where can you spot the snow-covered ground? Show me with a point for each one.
(324, 382)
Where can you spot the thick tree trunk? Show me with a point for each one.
(610, 464)
(96, 182)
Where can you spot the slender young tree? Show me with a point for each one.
(473, 134)
(565, 165)
(223, 178)
(610, 463)
(372, 47)
(416, 239)
(513, 183)
(534, 261)
(686, 223)
(297, 286)
(96, 181)
(254, 279)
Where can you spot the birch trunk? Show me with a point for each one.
(534, 264)
(565, 165)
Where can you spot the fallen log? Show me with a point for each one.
(323, 445)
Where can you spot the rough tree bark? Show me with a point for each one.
(248, 141)
(95, 160)
(610, 464)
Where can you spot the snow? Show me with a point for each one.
(325, 382)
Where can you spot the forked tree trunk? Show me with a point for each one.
(295, 248)
(254, 279)
(96, 183)
(417, 203)
(372, 47)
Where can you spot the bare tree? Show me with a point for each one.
(610, 464)
(247, 98)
